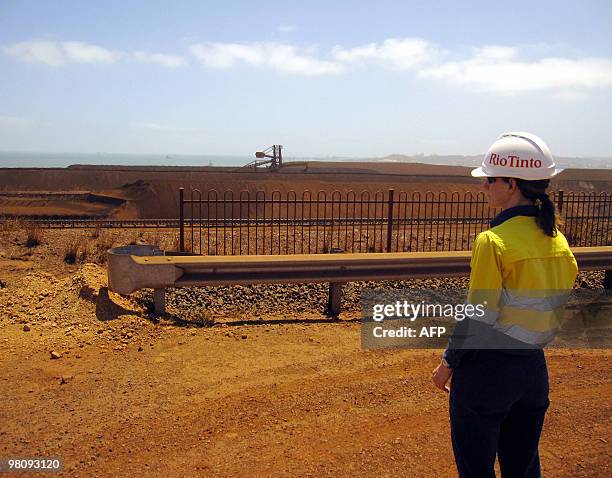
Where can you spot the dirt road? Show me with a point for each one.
(287, 394)
(297, 399)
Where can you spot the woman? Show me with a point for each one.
(522, 270)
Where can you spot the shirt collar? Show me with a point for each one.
(523, 210)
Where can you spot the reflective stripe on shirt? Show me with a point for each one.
(543, 304)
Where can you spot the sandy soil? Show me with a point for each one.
(289, 394)
(273, 400)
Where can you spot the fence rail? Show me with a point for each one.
(245, 223)
(68, 222)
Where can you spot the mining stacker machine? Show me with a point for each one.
(270, 158)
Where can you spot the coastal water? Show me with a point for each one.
(61, 160)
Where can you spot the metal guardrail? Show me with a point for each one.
(131, 268)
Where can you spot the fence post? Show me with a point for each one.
(608, 280)
(181, 219)
(560, 201)
(389, 220)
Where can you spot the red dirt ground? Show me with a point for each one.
(133, 396)
(152, 192)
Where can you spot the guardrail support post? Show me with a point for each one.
(335, 299)
(608, 280)
(159, 299)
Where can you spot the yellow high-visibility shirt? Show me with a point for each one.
(524, 277)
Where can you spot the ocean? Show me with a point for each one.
(61, 160)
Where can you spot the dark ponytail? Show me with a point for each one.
(547, 217)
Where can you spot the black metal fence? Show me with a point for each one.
(214, 223)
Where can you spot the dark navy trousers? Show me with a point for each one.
(498, 400)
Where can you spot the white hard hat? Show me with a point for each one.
(518, 155)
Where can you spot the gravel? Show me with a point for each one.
(202, 304)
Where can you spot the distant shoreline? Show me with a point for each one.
(42, 160)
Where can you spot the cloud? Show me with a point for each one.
(496, 53)
(400, 53)
(287, 28)
(278, 56)
(57, 54)
(499, 70)
(86, 53)
(167, 61)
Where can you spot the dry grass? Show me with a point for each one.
(103, 243)
(95, 233)
(135, 239)
(176, 240)
(34, 235)
(71, 251)
(153, 238)
(76, 250)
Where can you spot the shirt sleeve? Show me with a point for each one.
(486, 265)
(485, 288)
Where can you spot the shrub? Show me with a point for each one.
(104, 242)
(175, 244)
(76, 249)
(33, 235)
(96, 232)
(71, 251)
(153, 239)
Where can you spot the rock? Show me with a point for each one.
(89, 280)
(55, 355)
(243, 336)
(26, 328)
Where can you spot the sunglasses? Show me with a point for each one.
(491, 180)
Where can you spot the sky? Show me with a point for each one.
(322, 78)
